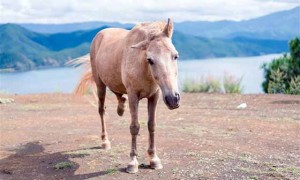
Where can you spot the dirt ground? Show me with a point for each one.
(54, 136)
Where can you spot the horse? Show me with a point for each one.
(139, 62)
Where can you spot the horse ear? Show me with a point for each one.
(168, 31)
(141, 45)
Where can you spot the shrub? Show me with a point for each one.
(232, 84)
(294, 85)
(192, 86)
(209, 85)
(282, 75)
(213, 85)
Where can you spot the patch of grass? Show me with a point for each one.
(291, 169)
(247, 158)
(253, 178)
(111, 171)
(63, 165)
(285, 169)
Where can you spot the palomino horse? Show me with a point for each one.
(138, 62)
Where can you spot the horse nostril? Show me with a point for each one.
(177, 97)
(167, 100)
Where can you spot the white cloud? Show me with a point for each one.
(64, 11)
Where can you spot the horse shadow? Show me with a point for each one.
(30, 161)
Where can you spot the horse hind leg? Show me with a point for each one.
(101, 89)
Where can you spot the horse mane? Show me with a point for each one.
(146, 30)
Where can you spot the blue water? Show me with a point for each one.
(65, 79)
(40, 81)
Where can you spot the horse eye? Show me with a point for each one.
(150, 61)
(176, 57)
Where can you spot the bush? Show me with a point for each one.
(232, 84)
(213, 85)
(282, 75)
(294, 85)
(209, 85)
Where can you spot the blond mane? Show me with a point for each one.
(147, 30)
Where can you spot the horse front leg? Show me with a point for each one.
(155, 162)
(134, 130)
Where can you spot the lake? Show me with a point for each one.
(65, 79)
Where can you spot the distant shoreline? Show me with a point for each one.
(11, 70)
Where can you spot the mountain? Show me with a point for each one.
(21, 49)
(281, 25)
(193, 47)
(70, 27)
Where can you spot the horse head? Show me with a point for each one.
(162, 56)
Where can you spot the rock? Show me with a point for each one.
(242, 106)
(6, 100)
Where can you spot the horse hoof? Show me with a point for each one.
(156, 164)
(132, 168)
(106, 145)
(120, 111)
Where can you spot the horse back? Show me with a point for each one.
(106, 58)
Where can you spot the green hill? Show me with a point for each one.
(193, 47)
(279, 25)
(21, 49)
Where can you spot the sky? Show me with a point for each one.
(68, 11)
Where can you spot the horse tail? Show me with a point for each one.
(87, 80)
(84, 83)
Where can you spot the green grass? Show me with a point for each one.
(253, 178)
(111, 171)
(285, 169)
(63, 165)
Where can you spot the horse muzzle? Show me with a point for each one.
(172, 101)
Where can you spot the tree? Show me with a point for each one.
(282, 75)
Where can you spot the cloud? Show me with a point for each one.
(49, 11)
